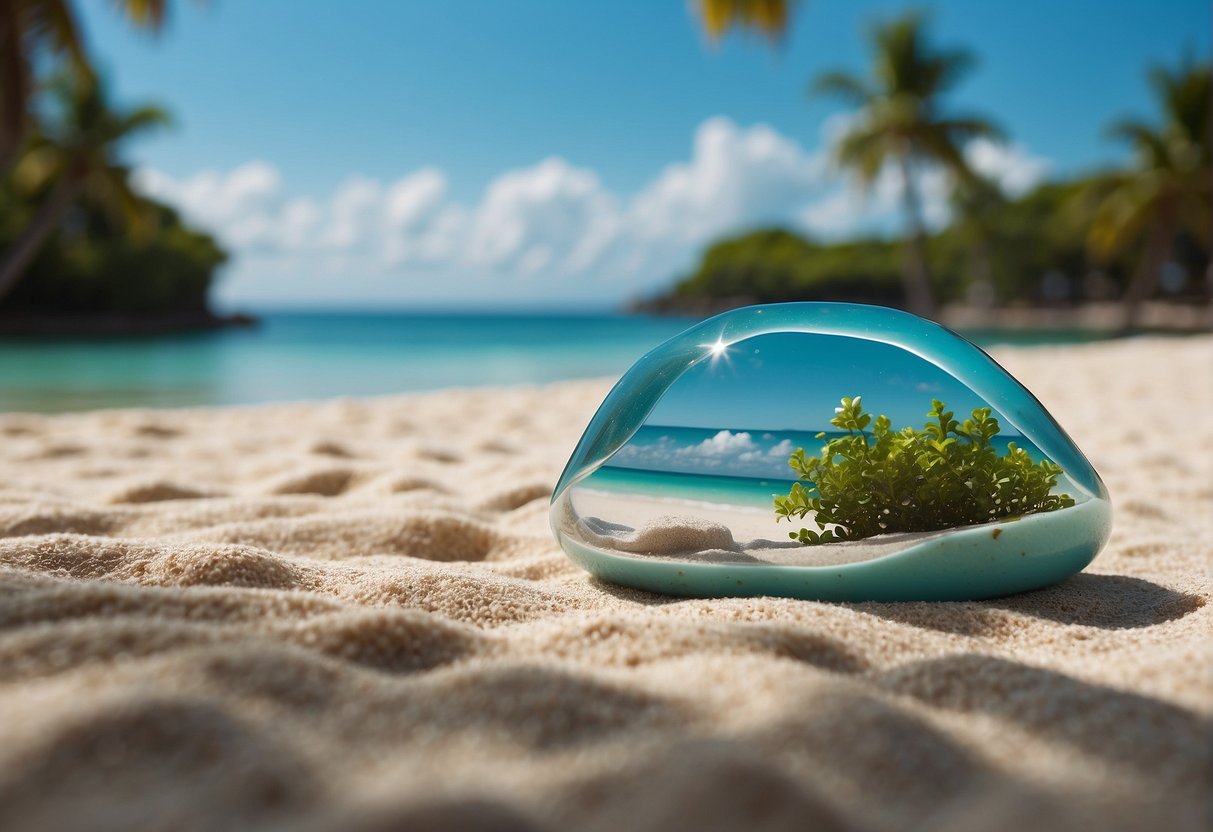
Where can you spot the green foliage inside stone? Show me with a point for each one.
(879, 480)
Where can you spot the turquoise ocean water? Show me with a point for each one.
(301, 356)
(656, 462)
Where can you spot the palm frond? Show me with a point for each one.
(948, 68)
(842, 85)
(146, 14)
(1146, 141)
(965, 128)
(1122, 216)
(767, 17)
(935, 144)
(863, 151)
(39, 166)
(14, 84)
(59, 26)
(1186, 95)
(141, 119)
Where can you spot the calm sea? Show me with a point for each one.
(299, 356)
(294, 356)
(661, 461)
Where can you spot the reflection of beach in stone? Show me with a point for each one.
(713, 532)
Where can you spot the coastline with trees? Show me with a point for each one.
(1110, 251)
(82, 252)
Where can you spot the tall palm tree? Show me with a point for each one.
(1168, 192)
(769, 17)
(31, 27)
(976, 202)
(900, 122)
(75, 157)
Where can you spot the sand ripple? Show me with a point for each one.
(351, 615)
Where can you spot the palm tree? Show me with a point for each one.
(899, 122)
(976, 202)
(1169, 190)
(769, 17)
(30, 27)
(76, 157)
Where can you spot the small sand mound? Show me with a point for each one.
(389, 640)
(665, 535)
(327, 482)
(39, 519)
(404, 484)
(439, 453)
(153, 430)
(156, 492)
(426, 534)
(517, 497)
(327, 447)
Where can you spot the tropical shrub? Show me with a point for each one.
(883, 480)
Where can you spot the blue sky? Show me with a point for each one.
(545, 153)
(756, 418)
(745, 387)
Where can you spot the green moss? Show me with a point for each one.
(884, 480)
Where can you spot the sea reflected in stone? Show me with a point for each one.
(673, 487)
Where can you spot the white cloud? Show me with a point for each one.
(553, 226)
(724, 443)
(549, 215)
(353, 212)
(850, 208)
(1012, 166)
(783, 449)
(735, 177)
(232, 204)
(847, 210)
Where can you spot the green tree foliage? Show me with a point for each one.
(883, 480)
(1022, 240)
(30, 32)
(768, 17)
(92, 266)
(75, 239)
(776, 265)
(1169, 191)
(75, 155)
(900, 121)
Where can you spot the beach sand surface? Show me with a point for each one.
(702, 532)
(352, 615)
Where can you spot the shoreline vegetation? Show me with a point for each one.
(1059, 251)
(83, 252)
(1094, 318)
(47, 325)
(1117, 251)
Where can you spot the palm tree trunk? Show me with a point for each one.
(981, 290)
(14, 85)
(50, 213)
(915, 272)
(1149, 270)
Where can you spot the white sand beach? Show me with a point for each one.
(711, 532)
(352, 615)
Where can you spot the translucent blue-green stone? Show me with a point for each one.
(671, 487)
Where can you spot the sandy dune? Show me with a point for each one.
(351, 615)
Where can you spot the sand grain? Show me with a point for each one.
(351, 615)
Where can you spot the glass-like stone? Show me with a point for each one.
(673, 486)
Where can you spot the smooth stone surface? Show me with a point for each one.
(670, 487)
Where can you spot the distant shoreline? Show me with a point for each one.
(38, 326)
(1098, 319)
